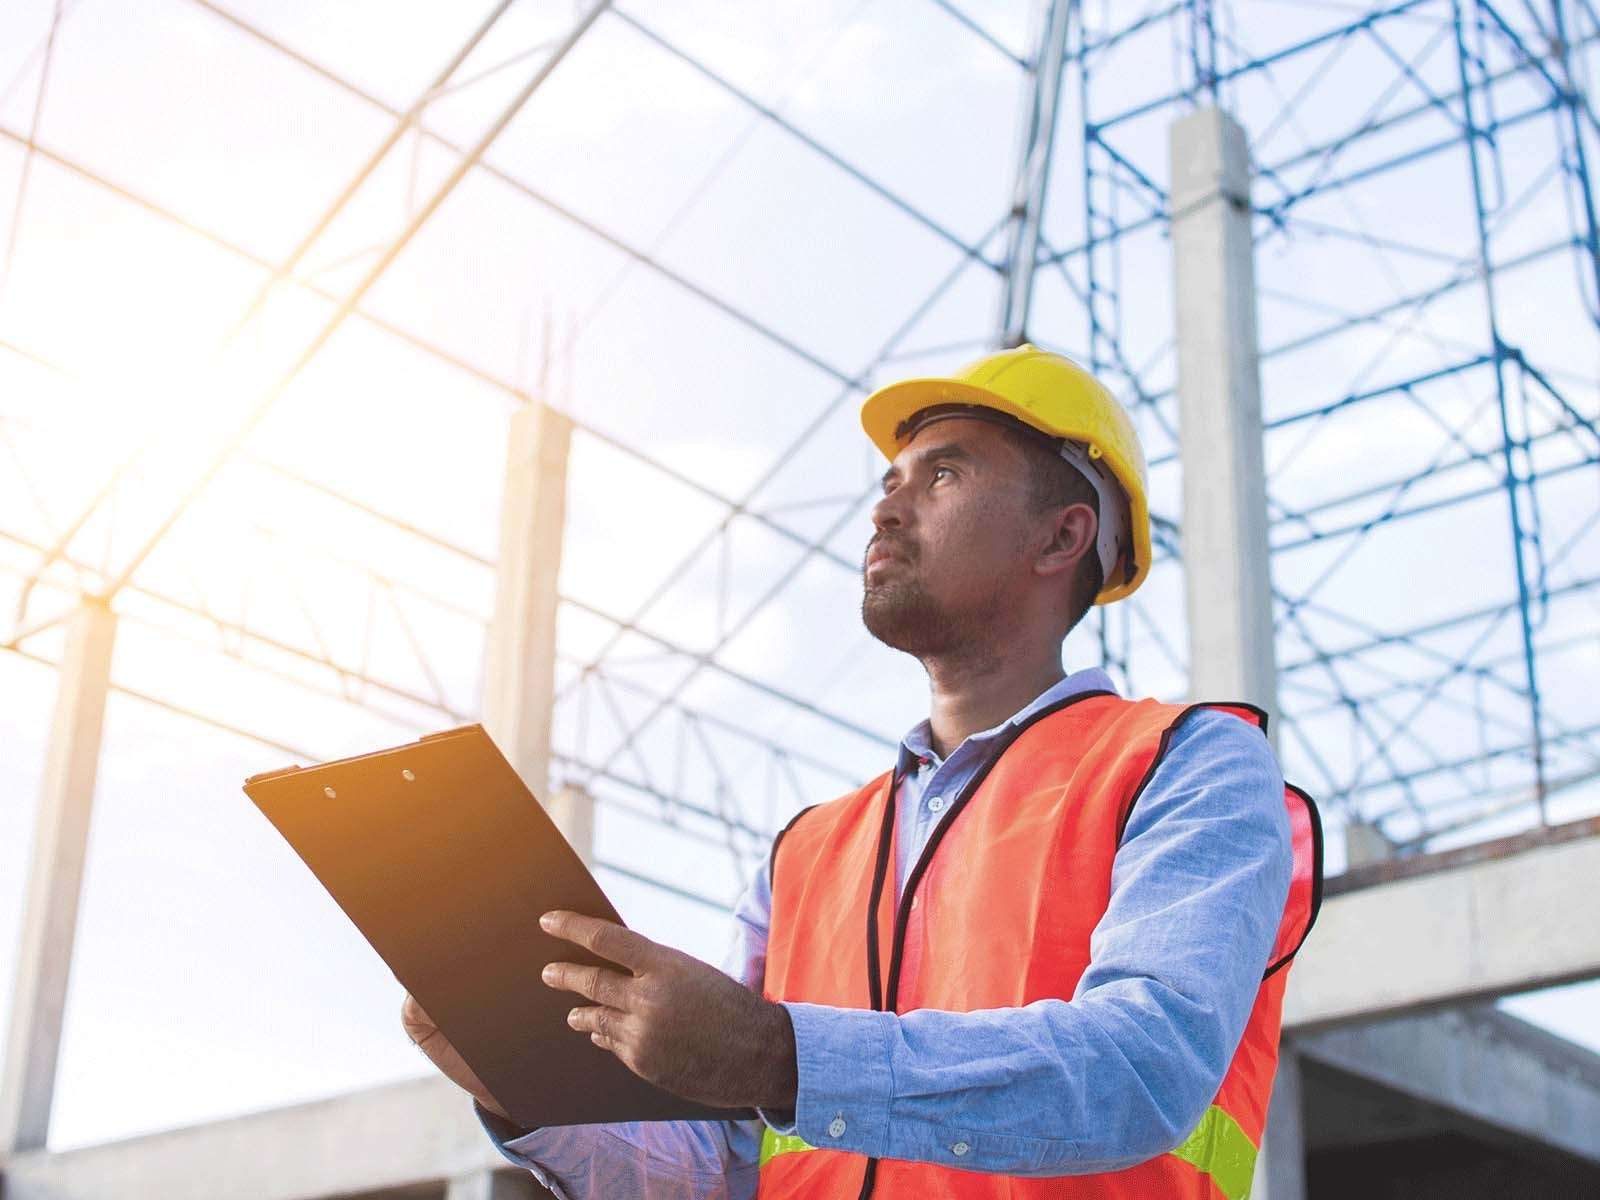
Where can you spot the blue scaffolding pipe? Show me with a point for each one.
(1545, 430)
(1521, 534)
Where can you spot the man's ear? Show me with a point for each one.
(1072, 533)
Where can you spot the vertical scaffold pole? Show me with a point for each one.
(1033, 172)
(1515, 456)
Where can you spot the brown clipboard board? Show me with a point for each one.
(445, 861)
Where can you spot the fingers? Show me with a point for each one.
(606, 938)
(610, 988)
(603, 1025)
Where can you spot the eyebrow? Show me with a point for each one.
(950, 450)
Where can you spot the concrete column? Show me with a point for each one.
(1364, 844)
(572, 809)
(1219, 398)
(519, 674)
(494, 1185)
(55, 879)
(1281, 1163)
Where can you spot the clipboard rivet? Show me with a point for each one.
(406, 774)
(330, 793)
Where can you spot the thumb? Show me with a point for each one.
(418, 1024)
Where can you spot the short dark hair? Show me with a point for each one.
(1053, 482)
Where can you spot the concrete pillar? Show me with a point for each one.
(1364, 844)
(55, 879)
(494, 1185)
(1281, 1163)
(1219, 399)
(519, 674)
(572, 809)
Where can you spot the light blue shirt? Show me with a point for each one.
(1119, 1073)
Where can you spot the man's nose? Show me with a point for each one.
(888, 512)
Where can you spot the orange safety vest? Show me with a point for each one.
(997, 913)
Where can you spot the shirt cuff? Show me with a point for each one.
(846, 1084)
(779, 1120)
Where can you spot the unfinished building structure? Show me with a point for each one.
(1342, 262)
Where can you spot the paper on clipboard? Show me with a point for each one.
(444, 860)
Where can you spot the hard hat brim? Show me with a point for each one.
(884, 410)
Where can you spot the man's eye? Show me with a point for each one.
(938, 471)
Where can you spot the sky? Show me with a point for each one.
(706, 291)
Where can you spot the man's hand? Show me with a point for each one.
(422, 1031)
(675, 1021)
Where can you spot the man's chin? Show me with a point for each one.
(902, 618)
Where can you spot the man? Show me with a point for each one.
(1043, 956)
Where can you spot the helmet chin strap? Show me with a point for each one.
(1113, 523)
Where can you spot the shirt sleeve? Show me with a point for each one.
(1125, 1069)
(654, 1160)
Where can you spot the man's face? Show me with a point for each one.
(951, 540)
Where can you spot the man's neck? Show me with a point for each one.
(980, 690)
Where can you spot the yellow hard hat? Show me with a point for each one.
(1059, 398)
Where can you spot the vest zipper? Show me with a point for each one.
(886, 1003)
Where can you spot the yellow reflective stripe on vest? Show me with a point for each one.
(1220, 1149)
(774, 1143)
(1217, 1147)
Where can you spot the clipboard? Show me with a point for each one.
(445, 861)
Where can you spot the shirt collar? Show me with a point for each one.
(917, 745)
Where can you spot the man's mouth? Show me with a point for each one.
(879, 552)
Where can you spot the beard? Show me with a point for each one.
(903, 616)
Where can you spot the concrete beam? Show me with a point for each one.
(1507, 923)
(55, 880)
(399, 1138)
(519, 671)
(494, 1185)
(1483, 1064)
(1488, 927)
(1225, 558)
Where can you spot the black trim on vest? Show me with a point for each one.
(1155, 761)
(1311, 808)
(1316, 878)
(1165, 742)
(772, 854)
(880, 870)
(868, 1177)
(1255, 708)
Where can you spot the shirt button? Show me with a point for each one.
(936, 804)
(836, 1127)
(916, 900)
(959, 1149)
